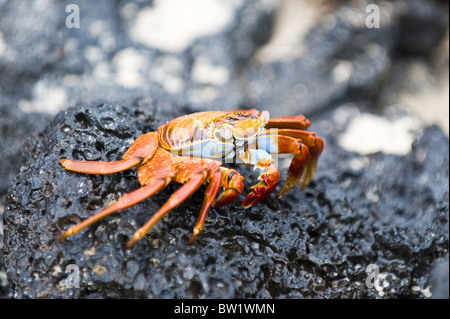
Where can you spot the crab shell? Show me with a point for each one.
(215, 135)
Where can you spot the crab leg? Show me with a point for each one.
(210, 195)
(139, 152)
(315, 146)
(97, 167)
(126, 201)
(154, 175)
(290, 145)
(193, 172)
(274, 143)
(299, 122)
(233, 185)
(175, 199)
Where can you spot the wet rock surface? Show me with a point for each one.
(391, 211)
(389, 208)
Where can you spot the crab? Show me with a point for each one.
(190, 150)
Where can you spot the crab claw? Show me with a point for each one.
(233, 185)
(267, 184)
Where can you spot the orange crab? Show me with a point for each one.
(190, 150)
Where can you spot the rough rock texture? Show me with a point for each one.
(109, 58)
(391, 212)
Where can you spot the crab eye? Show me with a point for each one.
(265, 116)
(224, 133)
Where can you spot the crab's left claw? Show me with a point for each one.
(267, 184)
(233, 185)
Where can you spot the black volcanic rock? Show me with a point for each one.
(387, 210)
(315, 243)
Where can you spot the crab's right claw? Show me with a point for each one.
(267, 184)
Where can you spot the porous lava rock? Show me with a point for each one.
(391, 212)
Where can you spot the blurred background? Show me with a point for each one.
(289, 57)
(370, 74)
